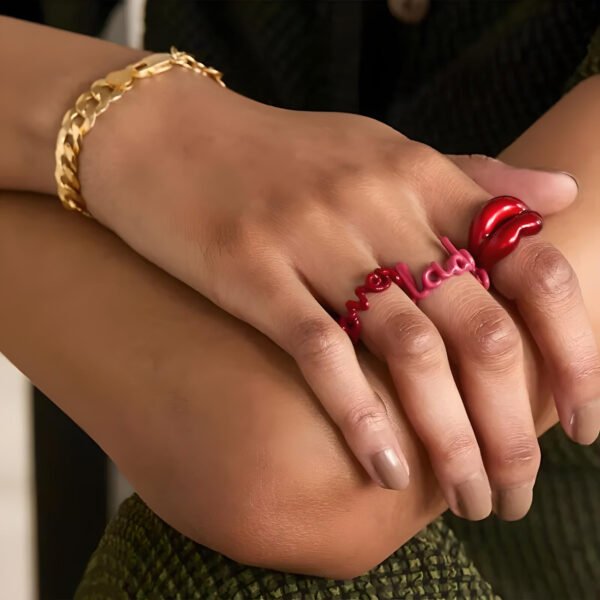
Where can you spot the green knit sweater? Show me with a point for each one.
(551, 554)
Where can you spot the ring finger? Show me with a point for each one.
(486, 347)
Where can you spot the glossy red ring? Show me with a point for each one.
(497, 228)
(459, 261)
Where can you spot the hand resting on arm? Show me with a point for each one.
(214, 424)
(275, 215)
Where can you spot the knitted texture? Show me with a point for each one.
(482, 72)
(590, 64)
(554, 552)
(470, 78)
(141, 557)
(551, 554)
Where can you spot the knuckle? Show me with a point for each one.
(493, 335)
(316, 339)
(459, 445)
(348, 182)
(520, 450)
(292, 222)
(573, 373)
(551, 276)
(421, 155)
(426, 172)
(365, 416)
(414, 340)
(393, 151)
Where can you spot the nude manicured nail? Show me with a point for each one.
(474, 498)
(571, 176)
(585, 423)
(514, 503)
(390, 469)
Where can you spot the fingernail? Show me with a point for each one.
(474, 498)
(571, 176)
(390, 469)
(512, 504)
(585, 423)
(486, 157)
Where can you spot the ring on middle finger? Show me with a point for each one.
(458, 262)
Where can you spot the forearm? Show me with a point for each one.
(138, 359)
(43, 71)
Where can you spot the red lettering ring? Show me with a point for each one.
(459, 261)
(494, 233)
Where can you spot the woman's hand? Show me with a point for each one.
(229, 445)
(277, 215)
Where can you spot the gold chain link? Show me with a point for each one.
(91, 104)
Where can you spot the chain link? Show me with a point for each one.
(91, 104)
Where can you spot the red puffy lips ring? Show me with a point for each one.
(496, 229)
(495, 232)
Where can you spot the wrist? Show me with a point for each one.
(36, 96)
(144, 135)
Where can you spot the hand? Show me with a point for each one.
(276, 215)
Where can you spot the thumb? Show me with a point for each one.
(546, 192)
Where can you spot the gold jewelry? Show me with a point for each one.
(91, 104)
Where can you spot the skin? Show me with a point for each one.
(212, 422)
(254, 206)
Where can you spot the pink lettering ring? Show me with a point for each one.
(459, 261)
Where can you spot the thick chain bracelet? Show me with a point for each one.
(91, 104)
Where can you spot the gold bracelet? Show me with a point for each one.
(91, 104)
